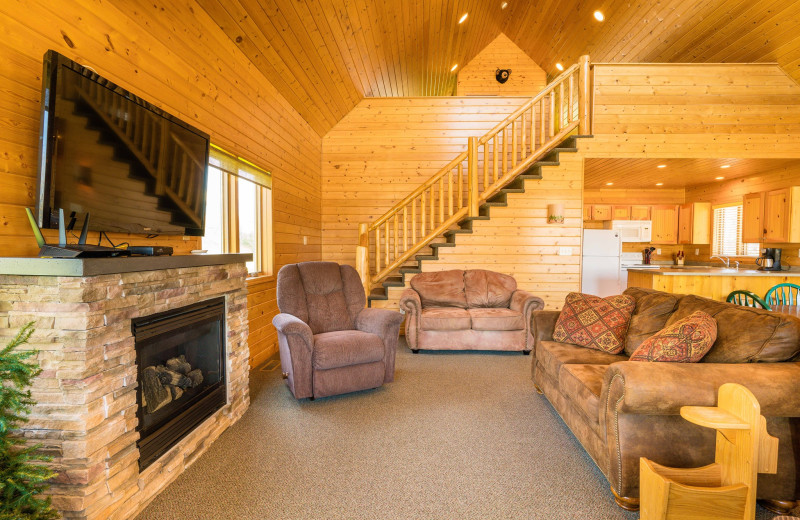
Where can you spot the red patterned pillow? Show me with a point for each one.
(594, 322)
(685, 341)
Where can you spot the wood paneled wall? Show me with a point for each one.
(175, 56)
(477, 78)
(734, 190)
(386, 147)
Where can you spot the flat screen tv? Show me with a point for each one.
(104, 151)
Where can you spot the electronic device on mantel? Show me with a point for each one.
(64, 250)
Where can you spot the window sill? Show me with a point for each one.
(260, 278)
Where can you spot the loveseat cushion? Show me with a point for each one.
(441, 289)
(552, 355)
(345, 348)
(444, 318)
(488, 289)
(582, 385)
(653, 309)
(744, 334)
(594, 322)
(496, 319)
(685, 341)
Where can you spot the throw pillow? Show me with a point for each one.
(685, 341)
(594, 322)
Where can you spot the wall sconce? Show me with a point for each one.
(555, 213)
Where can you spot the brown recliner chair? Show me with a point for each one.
(329, 343)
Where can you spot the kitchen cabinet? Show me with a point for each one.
(620, 213)
(665, 224)
(781, 216)
(694, 223)
(601, 212)
(587, 212)
(752, 218)
(640, 212)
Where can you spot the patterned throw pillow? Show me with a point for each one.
(594, 322)
(685, 341)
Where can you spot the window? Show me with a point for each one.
(239, 210)
(728, 233)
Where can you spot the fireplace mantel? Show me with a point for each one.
(86, 412)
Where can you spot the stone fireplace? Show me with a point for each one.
(101, 331)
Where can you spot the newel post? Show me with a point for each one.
(472, 176)
(584, 96)
(362, 256)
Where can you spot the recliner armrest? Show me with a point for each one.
(288, 324)
(381, 322)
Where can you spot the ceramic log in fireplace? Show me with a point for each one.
(180, 355)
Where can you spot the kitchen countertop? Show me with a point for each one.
(692, 270)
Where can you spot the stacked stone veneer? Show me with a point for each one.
(86, 412)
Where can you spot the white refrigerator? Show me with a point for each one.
(602, 249)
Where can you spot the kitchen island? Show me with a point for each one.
(711, 282)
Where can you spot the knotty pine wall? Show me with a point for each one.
(477, 78)
(175, 56)
(733, 191)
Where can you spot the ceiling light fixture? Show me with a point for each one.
(559, 66)
(719, 178)
(661, 166)
(725, 166)
(503, 5)
(599, 16)
(454, 67)
(659, 184)
(609, 184)
(463, 17)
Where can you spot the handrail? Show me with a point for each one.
(491, 162)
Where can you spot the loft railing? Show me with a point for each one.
(148, 137)
(474, 176)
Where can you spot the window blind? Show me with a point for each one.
(728, 233)
(238, 167)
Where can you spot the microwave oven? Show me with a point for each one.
(633, 230)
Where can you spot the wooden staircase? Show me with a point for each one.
(465, 190)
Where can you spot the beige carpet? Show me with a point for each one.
(455, 436)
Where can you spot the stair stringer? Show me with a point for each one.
(513, 236)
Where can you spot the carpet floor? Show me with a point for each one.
(457, 435)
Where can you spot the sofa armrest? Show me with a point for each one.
(385, 324)
(525, 303)
(288, 325)
(544, 323)
(412, 305)
(296, 347)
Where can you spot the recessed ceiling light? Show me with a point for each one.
(659, 184)
(454, 67)
(661, 166)
(719, 178)
(463, 17)
(609, 184)
(559, 66)
(725, 166)
(503, 5)
(599, 16)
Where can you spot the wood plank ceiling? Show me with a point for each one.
(324, 56)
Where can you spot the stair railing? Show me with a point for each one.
(471, 178)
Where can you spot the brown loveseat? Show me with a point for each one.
(473, 309)
(621, 410)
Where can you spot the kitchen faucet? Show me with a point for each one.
(724, 259)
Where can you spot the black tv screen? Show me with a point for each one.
(104, 151)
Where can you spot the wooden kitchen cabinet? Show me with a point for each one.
(781, 216)
(640, 212)
(587, 212)
(601, 211)
(620, 213)
(752, 218)
(694, 223)
(665, 224)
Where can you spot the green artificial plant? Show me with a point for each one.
(22, 479)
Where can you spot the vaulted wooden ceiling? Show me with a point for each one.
(324, 56)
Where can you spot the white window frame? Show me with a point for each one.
(721, 215)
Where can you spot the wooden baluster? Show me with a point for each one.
(561, 122)
(362, 256)
(552, 113)
(542, 123)
(405, 229)
(422, 216)
(584, 121)
(533, 128)
(377, 249)
(395, 236)
(513, 143)
(472, 174)
(571, 99)
(505, 152)
(441, 199)
(524, 150)
(495, 173)
(433, 213)
(450, 193)
(485, 166)
(460, 185)
(386, 241)
(413, 221)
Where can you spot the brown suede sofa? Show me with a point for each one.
(622, 410)
(468, 310)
